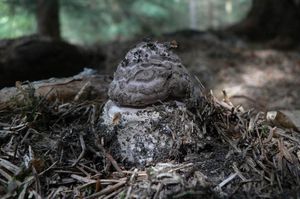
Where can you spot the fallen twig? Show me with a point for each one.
(82, 144)
(107, 190)
(109, 157)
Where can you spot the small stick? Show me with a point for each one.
(89, 168)
(227, 180)
(85, 185)
(35, 194)
(82, 91)
(6, 175)
(83, 171)
(54, 193)
(238, 172)
(113, 194)
(37, 181)
(110, 158)
(102, 181)
(131, 181)
(98, 186)
(42, 173)
(82, 179)
(9, 166)
(23, 192)
(181, 167)
(30, 130)
(4, 124)
(107, 190)
(16, 128)
(160, 186)
(287, 136)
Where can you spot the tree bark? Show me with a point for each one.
(270, 20)
(48, 18)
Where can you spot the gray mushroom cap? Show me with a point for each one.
(148, 74)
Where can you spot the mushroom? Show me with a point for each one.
(151, 73)
(138, 129)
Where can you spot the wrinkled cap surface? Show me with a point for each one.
(148, 74)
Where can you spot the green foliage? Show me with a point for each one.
(88, 21)
(93, 21)
(15, 21)
(149, 9)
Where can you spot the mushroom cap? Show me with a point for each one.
(148, 74)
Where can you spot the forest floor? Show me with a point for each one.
(53, 149)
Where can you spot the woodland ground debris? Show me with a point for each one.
(52, 150)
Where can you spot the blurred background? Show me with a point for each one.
(89, 21)
(250, 48)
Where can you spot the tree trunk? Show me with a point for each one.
(271, 20)
(48, 18)
(193, 14)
